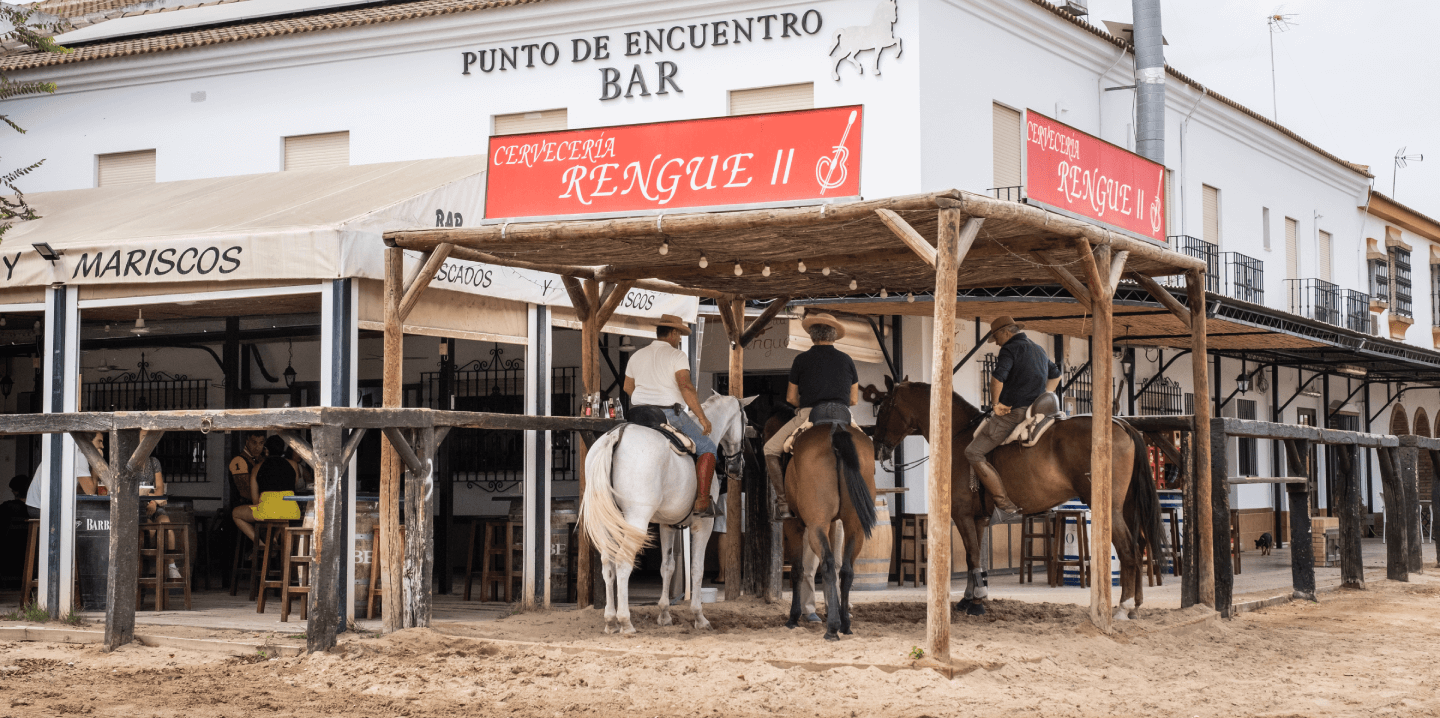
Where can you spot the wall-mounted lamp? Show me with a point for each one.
(47, 252)
(290, 368)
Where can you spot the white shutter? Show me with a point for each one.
(126, 168)
(308, 152)
(524, 122)
(1211, 231)
(1292, 249)
(1265, 226)
(782, 98)
(1006, 150)
(1324, 255)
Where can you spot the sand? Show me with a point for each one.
(1370, 653)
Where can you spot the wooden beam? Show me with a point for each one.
(419, 533)
(392, 561)
(1117, 268)
(473, 255)
(615, 294)
(1165, 298)
(1067, 280)
(726, 308)
(761, 322)
(1166, 446)
(947, 266)
(908, 235)
(730, 546)
(407, 454)
(300, 446)
(434, 260)
(1199, 362)
(124, 572)
(99, 467)
(326, 613)
(352, 444)
(1100, 500)
(140, 457)
(578, 300)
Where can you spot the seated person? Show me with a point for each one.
(272, 479)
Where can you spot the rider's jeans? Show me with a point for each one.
(691, 428)
(776, 445)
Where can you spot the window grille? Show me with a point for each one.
(1248, 459)
(987, 370)
(1161, 398)
(1380, 280)
(1400, 262)
(182, 454)
(1079, 393)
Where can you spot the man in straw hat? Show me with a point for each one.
(1022, 373)
(659, 376)
(820, 374)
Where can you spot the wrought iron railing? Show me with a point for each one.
(1200, 249)
(1380, 280)
(1242, 277)
(1163, 397)
(1356, 306)
(1079, 395)
(987, 368)
(181, 453)
(1009, 194)
(1403, 304)
(1315, 299)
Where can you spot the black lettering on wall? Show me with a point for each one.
(529, 54)
(805, 22)
(722, 28)
(512, 57)
(468, 58)
(164, 262)
(83, 267)
(655, 41)
(766, 19)
(190, 251)
(550, 50)
(233, 263)
(609, 83)
(637, 78)
(10, 265)
(670, 38)
(132, 261)
(697, 44)
(149, 262)
(214, 260)
(602, 47)
(632, 44)
(667, 76)
(487, 60)
(789, 21)
(749, 23)
(114, 264)
(575, 46)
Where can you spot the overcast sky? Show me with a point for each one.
(1360, 78)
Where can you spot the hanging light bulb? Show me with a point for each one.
(825, 271)
(801, 266)
(738, 270)
(764, 272)
(140, 327)
(665, 247)
(883, 293)
(704, 262)
(910, 297)
(290, 373)
(853, 284)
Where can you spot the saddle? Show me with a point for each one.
(1039, 417)
(830, 413)
(654, 417)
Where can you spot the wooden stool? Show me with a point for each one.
(1177, 554)
(1082, 550)
(160, 581)
(1154, 574)
(502, 537)
(913, 552)
(1032, 528)
(272, 535)
(1236, 548)
(299, 556)
(470, 557)
(29, 580)
(376, 568)
(236, 566)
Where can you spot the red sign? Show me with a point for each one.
(784, 156)
(1080, 174)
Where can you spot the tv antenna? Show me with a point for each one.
(1401, 161)
(1279, 21)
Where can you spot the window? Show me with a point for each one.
(1292, 249)
(1380, 280)
(1211, 231)
(782, 98)
(1400, 282)
(308, 152)
(1006, 152)
(126, 168)
(1324, 242)
(523, 122)
(1435, 295)
(1265, 226)
(1248, 463)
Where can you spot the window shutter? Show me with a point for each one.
(523, 122)
(782, 98)
(1324, 255)
(308, 152)
(127, 168)
(1292, 249)
(1265, 226)
(1007, 146)
(1211, 231)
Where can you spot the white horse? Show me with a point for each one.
(643, 481)
(878, 36)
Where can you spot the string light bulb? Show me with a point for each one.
(910, 297)
(883, 293)
(853, 284)
(704, 262)
(738, 270)
(665, 247)
(763, 272)
(801, 267)
(825, 271)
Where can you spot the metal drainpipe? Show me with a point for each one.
(1149, 80)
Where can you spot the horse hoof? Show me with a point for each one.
(665, 619)
(963, 604)
(609, 629)
(814, 618)
(792, 624)
(975, 609)
(847, 632)
(702, 625)
(831, 636)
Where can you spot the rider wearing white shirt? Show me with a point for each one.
(659, 376)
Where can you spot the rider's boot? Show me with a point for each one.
(704, 474)
(1005, 509)
(781, 510)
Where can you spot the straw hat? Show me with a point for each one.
(1005, 322)
(674, 322)
(828, 320)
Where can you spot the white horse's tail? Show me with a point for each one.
(601, 517)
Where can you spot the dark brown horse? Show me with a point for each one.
(831, 476)
(1038, 478)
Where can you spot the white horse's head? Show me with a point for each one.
(727, 426)
(888, 12)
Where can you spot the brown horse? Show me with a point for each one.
(1038, 478)
(831, 476)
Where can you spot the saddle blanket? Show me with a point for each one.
(1029, 431)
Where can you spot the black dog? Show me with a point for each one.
(1264, 543)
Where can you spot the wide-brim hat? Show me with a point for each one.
(828, 320)
(674, 322)
(1005, 322)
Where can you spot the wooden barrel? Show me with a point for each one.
(92, 550)
(563, 517)
(367, 516)
(872, 566)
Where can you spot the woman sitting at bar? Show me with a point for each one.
(272, 479)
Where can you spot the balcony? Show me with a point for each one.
(1356, 306)
(1200, 249)
(1009, 194)
(1315, 299)
(1379, 284)
(1242, 277)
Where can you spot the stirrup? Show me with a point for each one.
(708, 513)
(1001, 516)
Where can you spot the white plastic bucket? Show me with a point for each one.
(709, 595)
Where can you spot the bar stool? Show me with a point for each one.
(273, 533)
(236, 566)
(1171, 515)
(160, 581)
(501, 539)
(377, 564)
(1036, 527)
(299, 556)
(913, 551)
(29, 580)
(1081, 562)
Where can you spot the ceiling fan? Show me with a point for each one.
(108, 367)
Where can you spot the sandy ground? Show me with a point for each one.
(1354, 653)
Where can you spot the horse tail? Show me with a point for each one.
(847, 465)
(600, 515)
(1145, 509)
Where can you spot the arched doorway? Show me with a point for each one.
(1426, 468)
(1399, 424)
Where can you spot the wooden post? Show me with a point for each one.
(1224, 568)
(1302, 552)
(730, 547)
(1190, 531)
(1408, 464)
(393, 561)
(1352, 562)
(582, 299)
(124, 539)
(419, 541)
(1199, 351)
(1097, 267)
(937, 490)
(326, 613)
(1397, 563)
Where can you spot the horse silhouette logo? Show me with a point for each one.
(878, 36)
